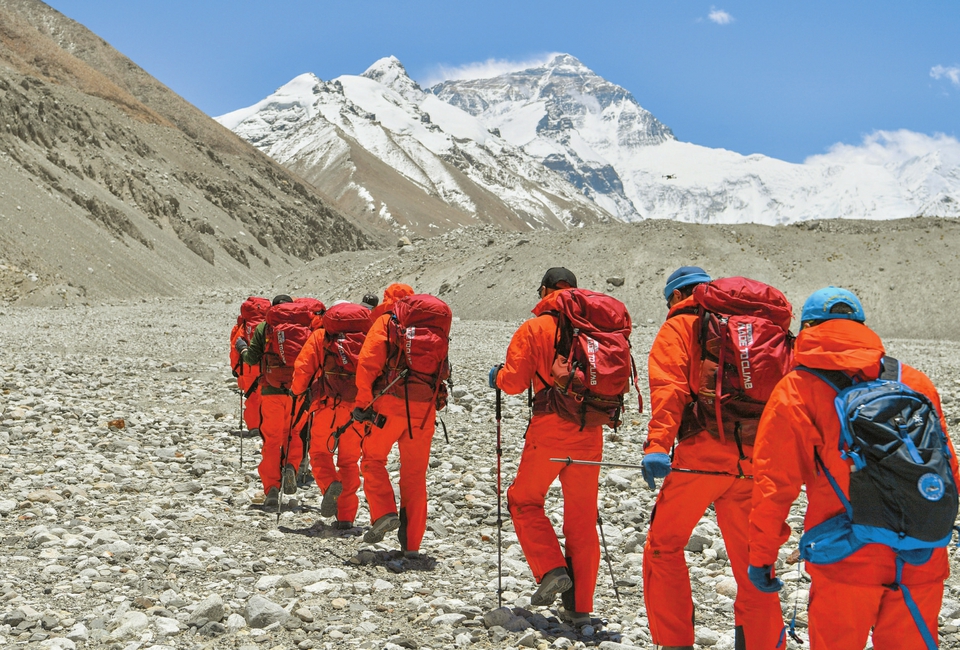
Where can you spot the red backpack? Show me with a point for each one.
(745, 330)
(418, 335)
(315, 307)
(287, 330)
(252, 312)
(345, 329)
(593, 367)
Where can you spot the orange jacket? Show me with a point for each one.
(307, 366)
(246, 374)
(673, 367)
(799, 418)
(532, 350)
(371, 364)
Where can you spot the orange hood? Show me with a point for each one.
(391, 295)
(547, 303)
(843, 345)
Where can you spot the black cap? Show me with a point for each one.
(370, 301)
(557, 275)
(282, 298)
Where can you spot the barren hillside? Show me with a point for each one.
(112, 185)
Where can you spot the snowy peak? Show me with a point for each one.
(389, 72)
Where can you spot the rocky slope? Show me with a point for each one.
(386, 149)
(128, 517)
(114, 185)
(901, 269)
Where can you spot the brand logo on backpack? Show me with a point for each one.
(931, 487)
(592, 349)
(281, 337)
(745, 340)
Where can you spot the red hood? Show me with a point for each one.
(547, 303)
(840, 345)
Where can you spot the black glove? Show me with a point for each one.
(240, 345)
(362, 415)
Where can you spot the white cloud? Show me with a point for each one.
(952, 73)
(892, 147)
(482, 69)
(719, 16)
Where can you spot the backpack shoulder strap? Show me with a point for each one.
(891, 369)
(836, 379)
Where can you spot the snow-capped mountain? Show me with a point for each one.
(384, 148)
(557, 145)
(624, 159)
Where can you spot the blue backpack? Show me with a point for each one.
(902, 490)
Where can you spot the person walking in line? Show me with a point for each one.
(400, 375)
(252, 312)
(566, 422)
(881, 487)
(325, 374)
(274, 346)
(716, 457)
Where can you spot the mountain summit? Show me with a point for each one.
(402, 159)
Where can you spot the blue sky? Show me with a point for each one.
(788, 79)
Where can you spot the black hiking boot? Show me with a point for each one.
(381, 527)
(343, 525)
(328, 505)
(555, 582)
(272, 498)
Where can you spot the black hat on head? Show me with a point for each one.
(282, 298)
(558, 275)
(370, 301)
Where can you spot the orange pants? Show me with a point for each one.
(414, 461)
(251, 410)
(666, 583)
(550, 436)
(275, 429)
(347, 469)
(841, 615)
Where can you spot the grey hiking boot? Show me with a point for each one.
(328, 506)
(555, 582)
(289, 479)
(272, 498)
(576, 619)
(381, 527)
(343, 525)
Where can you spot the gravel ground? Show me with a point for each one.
(147, 533)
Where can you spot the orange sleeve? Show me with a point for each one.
(669, 368)
(307, 363)
(782, 461)
(234, 355)
(530, 353)
(372, 359)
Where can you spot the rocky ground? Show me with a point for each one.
(128, 521)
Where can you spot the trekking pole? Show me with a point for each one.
(681, 470)
(499, 510)
(378, 422)
(241, 428)
(606, 554)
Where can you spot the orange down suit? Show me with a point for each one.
(246, 377)
(326, 418)
(414, 443)
(847, 598)
(674, 369)
(530, 358)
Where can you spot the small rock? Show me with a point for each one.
(261, 612)
(616, 281)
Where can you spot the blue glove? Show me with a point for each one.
(654, 466)
(492, 377)
(763, 579)
(240, 345)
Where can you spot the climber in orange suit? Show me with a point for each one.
(570, 572)
(674, 367)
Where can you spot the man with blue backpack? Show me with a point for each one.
(866, 435)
